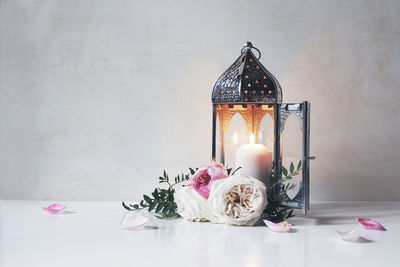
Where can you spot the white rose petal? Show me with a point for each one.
(237, 200)
(191, 205)
(281, 227)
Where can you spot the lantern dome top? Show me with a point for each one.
(247, 81)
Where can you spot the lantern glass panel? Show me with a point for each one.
(244, 138)
(292, 160)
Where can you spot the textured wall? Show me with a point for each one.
(97, 96)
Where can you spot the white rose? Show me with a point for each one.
(237, 200)
(191, 205)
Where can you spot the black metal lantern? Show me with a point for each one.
(250, 126)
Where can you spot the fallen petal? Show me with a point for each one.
(134, 220)
(54, 208)
(370, 224)
(352, 235)
(281, 227)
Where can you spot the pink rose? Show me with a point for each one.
(205, 175)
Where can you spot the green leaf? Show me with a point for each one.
(271, 175)
(171, 215)
(290, 214)
(166, 178)
(152, 205)
(125, 206)
(229, 171)
(238, 168)
(299, 165)
(155, 194)
(162, 194)
(147, 199)
(159, 207)
(142, 204)
(171, 197)
(291, 167)
(135, 206)
(171, 207)
(284, 171)
(289, 187)
(192, 171)
(164, 210)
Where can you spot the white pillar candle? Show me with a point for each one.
(255, 160)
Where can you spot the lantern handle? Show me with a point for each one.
(249, 45)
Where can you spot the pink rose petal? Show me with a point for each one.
(370, 224)
(54, 208)
(134, 220)
(205, 176)
(281, 227)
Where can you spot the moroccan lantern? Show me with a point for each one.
(252, 128)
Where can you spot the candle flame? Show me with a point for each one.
(235, 138)
(252, 139)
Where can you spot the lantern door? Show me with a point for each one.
(292, 153)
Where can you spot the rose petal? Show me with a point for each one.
(281, 227)
(204, 177)
(190, 204)
(217, 171)
(54, 208)
(134, 221)
(353, 235)
(370, 224)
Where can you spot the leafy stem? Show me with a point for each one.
(160, 201)
(286, 178)
(234, 171)
(277, 196)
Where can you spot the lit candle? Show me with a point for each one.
(255, 160)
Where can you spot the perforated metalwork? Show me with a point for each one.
(252, 114)
(247, 81)
(285, 115)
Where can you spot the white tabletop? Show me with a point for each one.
(90, 236)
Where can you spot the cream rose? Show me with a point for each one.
(191, 205)
(237, 200)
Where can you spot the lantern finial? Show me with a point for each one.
(248, 44)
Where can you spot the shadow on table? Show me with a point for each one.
(333, 213)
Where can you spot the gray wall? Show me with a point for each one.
(98, 97)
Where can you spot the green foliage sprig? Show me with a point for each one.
(161, 201)
(275, 212)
